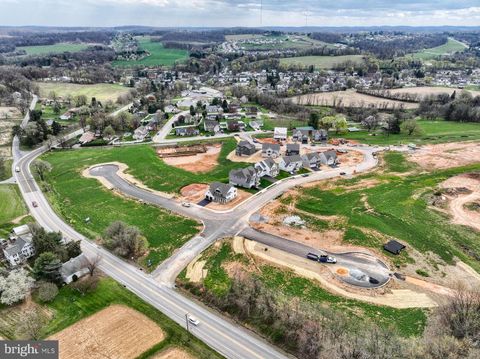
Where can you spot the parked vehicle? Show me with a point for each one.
(193, 320)
(343, 173)
(305, 175)
(313, 257)
(186, 204)
(34, 204)
(17, 169)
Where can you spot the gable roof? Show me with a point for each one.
(292, 159)
(243, 173)
(73, 265)
(273, 146)
(246, 144)
(221, 188)
(293, 147)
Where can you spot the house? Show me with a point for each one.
(280, 133)
(244, 177)
(220, 192)
(234, 126)
(211, 126)
(74, 269)
(171, 109)
(301, 136)
(271, 150)
(187, 131)
(329, 158)
(20, 247)
(291, 163)
(267, 167)
(293, 149)
(312, 160)
(256, 125)
(320, 135)
(66, 116)
(86, 137)
(394, 247)
(245, 148)
(140, 133)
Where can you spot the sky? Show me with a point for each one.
(230, 13)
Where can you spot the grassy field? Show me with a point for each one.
(77, 198)
(101, 92)
(450, 47)
(434, 131)
(70, 306)
(407, 321)
(321, 62)
(11, 203)
(159, 55)
(53, 49)
(398, 209)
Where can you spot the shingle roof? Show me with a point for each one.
(222, 188)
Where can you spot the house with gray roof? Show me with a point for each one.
(267, 167)
(187, 131)
(140, 133)
(320, 135)
(271, 150)
(291, 163)
(292, 149)
(312, 160)
(244, 177)
(220, 192)
(245, 148)
(329, 158)
(211, 126)
(74, 269)
(301, 136)
(19, 248)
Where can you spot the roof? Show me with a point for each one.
(329, 154)
(23, 229)
(291, 159)
(246, 144)
(222, 188)
(280, 131)
(305, 128)
(17, 246)
(73, 265)
(293, 147)
(87, 137)
(272, 146)
(393, 247)
(246, 173)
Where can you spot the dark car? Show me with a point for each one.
(312, 256)
(34, 204)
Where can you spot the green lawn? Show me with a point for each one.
(321, 62)
(159, 55)
(53, 49)
(77, 198)
(450, 47)
(101, 92)
(434, 131)
(70, 306)
(398, 208)
(407, 321)
(11, 203)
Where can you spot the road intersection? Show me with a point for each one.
(157, 288)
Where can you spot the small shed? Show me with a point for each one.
(394, 247)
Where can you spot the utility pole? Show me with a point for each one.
(186, 320)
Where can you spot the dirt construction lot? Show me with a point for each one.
(199, 163)
(447, 155)
(350, 98)
(116, 332)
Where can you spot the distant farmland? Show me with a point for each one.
(101, 92)
(321, 62)
(350, 98)
(53, 49)
(159, 55)
(450, 47)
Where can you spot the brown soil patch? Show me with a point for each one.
(195, 271)
(351, 158)
(329, 185)
(447, 155)
(456, 205)
(198, 163)
(173, 353)
(426, 91)
(350, 98)
(342, 271)
(115, 332)
(256, 157)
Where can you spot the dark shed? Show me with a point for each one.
(394, 247)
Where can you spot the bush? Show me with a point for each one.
(47, 291)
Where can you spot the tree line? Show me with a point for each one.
(459, 107)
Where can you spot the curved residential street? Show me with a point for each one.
(230, 340)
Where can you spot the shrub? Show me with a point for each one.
(47, 291)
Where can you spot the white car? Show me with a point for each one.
(193, 320)
(17, 169)
(186, 204)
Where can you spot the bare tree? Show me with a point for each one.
(31, 324)
(92, 264)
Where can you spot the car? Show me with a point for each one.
(313, 257)
(34, 204)
(186, 204)
(327, 259)
(343, 173)
(17, 169)
(305, 175)
(193, 320)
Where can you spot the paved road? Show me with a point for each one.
(364, 270)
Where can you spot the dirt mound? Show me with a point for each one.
(447, 155)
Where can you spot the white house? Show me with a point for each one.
(20, 247)
(280, 133)
(221, 192)
(291, 163)
(271, 150)
(267, 167)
